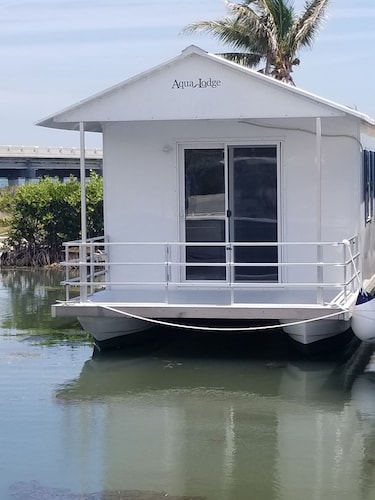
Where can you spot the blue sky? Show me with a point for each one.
(54, 53)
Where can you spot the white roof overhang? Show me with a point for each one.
(197, 85)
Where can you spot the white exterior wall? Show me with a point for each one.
(142, 194)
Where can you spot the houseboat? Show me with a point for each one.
(228, 196)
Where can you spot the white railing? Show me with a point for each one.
(98, 264)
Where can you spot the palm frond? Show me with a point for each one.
(247, 59)
(278, 16)
(228, 31)
(282, 15)
(309, 23)
(257, 21)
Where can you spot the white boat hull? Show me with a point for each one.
(114, 329)
(316, 331)
(105, 329)
(363, 321)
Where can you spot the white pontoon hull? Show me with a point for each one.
(121, 329)
(316, 331)
(106, 329)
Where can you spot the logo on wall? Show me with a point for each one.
(201, 83)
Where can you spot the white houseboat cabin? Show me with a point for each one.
(227, 196)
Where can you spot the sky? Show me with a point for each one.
(54, 53)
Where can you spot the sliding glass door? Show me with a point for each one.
(231, 200)
(205, 212)
(253, 210)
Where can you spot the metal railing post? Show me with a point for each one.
(83, 272)
(167, 270)
(345, 256)
(67, 287)
(232, 271)
(319, 294)
(357, 263)
(92, 267)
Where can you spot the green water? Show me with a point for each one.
(187, 416)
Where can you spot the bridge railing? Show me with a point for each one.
(48, 152)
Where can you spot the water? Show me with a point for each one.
(193, 417)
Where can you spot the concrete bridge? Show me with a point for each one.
(19, 164)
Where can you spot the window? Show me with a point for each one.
(369, 183)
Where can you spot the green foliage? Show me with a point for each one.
(43, 215)
(94, 206)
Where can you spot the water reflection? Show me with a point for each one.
(225, 428)
(194, 416)
(26, 297)
(323, 446)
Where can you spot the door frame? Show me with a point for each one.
(181, 147)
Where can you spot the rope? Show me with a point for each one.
(222, 329)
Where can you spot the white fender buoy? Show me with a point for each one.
(363, 314)
(363, 321)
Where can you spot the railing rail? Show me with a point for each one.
(89, 267)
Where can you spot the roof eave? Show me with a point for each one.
(52, 121)
(66, 125)
(60, 121)
(290, 88)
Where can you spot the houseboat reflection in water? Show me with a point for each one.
(225, 428)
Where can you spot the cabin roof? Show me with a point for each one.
(197, 85)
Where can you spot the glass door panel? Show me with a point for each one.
(205, 212)
(231, 203)
(253, 210)
(208, 230)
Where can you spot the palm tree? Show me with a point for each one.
(268, 31)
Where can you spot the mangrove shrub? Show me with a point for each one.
(44, 215)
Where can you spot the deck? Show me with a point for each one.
(201, 304)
